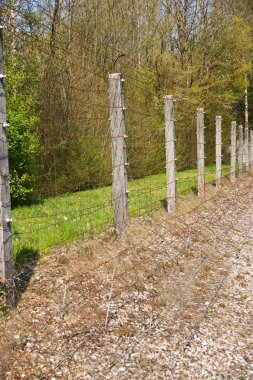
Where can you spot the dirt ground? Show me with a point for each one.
(172, 301)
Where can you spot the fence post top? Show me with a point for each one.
(169, 97)
(115, 76)
(200, 110)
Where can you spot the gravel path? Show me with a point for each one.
(176, 298)
(222, 348)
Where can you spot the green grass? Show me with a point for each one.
(56, 221)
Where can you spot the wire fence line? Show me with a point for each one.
(162, 186)
(191, 244)
(83, 213)
(127, 198)
(137, 255)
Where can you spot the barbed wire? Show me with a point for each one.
(215, 229)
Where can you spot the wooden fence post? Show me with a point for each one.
(218, 152)
(251, 150)
(246, 136)
(240, 149)
(171, 173)
(200, 152)
(246, 149)
(119, 159)
(233, 152)
(6, 261)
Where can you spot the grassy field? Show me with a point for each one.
(57, 221)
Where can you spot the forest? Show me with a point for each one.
(59, 54)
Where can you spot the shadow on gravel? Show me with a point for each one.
(25, 262)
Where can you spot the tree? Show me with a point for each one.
(198, 50)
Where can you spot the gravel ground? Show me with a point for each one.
(174, 301)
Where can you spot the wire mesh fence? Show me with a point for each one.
(161, 283)
(77, 215)
(76, 138)
(142, 199)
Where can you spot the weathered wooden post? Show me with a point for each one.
(200, 152)
(218, 152)
(246, 136)
(240, 149)
(171, 173)
(119, 157)
(6, 261)
(233, 152)
(251, 150)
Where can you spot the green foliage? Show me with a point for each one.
(145, 123)
(22, 134)
(213, 79)
(225, 83)
(73, 216)
(57, 87)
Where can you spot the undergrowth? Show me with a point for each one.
(60, 220)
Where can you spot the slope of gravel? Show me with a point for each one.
(174, 301)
